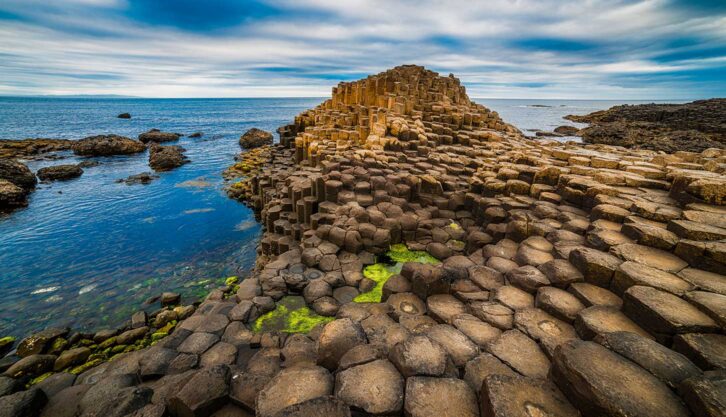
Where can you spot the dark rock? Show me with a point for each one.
(124, 116)
(56, 383)
(254, 138)
(567, 130)
(156, 136)
(107, 145)
(12, 196)
(32, 365)
(593, 378)
(165, 158)
(59, 172)
(327, 406)
(206, 392)
(23, 404)
(8, 385)
(196, 135)
(72, 357)
(18, 174)
(155, 362)
(142, 178)
(706, 394)
(668, 366)
(707, 350)
(244, 388)
(198, 343)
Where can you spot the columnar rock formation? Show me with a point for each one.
(574, 280)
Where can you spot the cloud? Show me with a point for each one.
(618, 49)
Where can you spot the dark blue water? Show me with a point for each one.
(88, 252)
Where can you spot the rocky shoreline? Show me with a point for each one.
(421, 257)
(692, 127)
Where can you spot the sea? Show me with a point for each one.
(89, 252)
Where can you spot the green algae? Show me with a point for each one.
(86, 366)
(39, 379)
(290, 316)
(381, 272)
(231, 280)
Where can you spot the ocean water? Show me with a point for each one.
(86, 253)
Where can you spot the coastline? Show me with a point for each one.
(404, 157)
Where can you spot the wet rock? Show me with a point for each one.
(165, 158)
(254, 138)
(12, 196)
(512, 395)
(668, 366)
(131, 336)
(107, 145)
(142, 178)
(59, 172)
(23, 404)
(206, 392)
(419, 355)
(293, 386)
(8, 385)
(433, 397)
(592, 378)
(156, 136)
(375, 387)
(40, 342)
(336, 339)
(124, 116)
(18, 174)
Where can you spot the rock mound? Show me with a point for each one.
(124, 116)
(254, 138)
(16, 183)
(165, 158)
(693, 127)
(107, 145)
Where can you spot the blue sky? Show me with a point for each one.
(582, 49)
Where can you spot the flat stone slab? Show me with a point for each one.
(459, 347)
(513, 395)
(629, 274)
(667, 365)
(548, 331)
(704, 280)
(652, 257)
(706, 394)
(707, 350)
(592, 295)
(521, 353)
(293, 386)
(435, 397)
(559, 303)
(600, 382)
(477, 369)
(662, 312)
(419, 355)
(710, 303)
(599, 320)
(444, 307)
(375, 387)
(478, 331)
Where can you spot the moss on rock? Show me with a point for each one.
(381, 272)
(290, 316)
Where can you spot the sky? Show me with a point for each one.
(581, 49)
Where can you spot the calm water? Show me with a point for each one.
(89, 251)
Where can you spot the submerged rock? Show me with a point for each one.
(59, 172)
(124, 116)
(142, 178)
(155, 135)
(254, 138)
(107, 145)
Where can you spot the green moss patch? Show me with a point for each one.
(381, 272)
(290, 316)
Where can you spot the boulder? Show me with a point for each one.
(459, 347)
(124, 116)
(165, 158)
(254, 138)
(419, 355)
(205, 392)
(17, 173)
(23, 404)
(107, 145)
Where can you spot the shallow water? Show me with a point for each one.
(89, 251)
